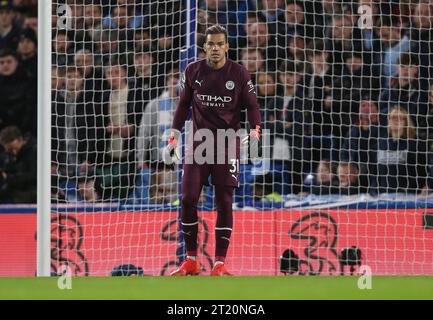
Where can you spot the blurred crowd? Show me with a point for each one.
(346, 94)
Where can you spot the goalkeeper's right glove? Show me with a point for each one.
(171, 153)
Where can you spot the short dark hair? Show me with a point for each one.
(388, 21)
(349, 164)
(408, 59)
(173, 73)
(316, 46)
(60, 33)
(9, 134)
(8, 52)
(144, 50)
(216, 29)
(290, 66)
(352, 54)
(74, 69)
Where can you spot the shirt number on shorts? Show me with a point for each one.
(235, 165)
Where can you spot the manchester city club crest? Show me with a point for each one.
(230, 85)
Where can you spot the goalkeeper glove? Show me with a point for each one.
(171, 153)
(254, 139)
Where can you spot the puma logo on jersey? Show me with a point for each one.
(199, 82)
(236, 178)
(250, 86)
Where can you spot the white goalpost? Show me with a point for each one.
(44, 140)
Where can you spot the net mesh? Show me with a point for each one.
(344, 90)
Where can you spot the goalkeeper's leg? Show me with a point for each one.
(192, 184)
(224, 227)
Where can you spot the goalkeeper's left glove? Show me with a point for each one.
(254, 139)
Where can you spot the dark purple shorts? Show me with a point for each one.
(221, 174)
(224, 174)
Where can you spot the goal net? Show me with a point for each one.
(345, 95)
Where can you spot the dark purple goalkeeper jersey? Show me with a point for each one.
(217, 97)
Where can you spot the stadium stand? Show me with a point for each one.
(334, 96)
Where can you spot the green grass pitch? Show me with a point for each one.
(203, 288)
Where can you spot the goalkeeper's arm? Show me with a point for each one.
(171, 152)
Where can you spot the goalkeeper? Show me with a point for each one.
(217, 88)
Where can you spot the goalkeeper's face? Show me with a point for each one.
(216, 47)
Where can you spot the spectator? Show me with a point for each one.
(302, 18)
(289, 81)
(142, 39)
(120, 100)
(124, 107)
(17, 95)
(93, 20)
(266, 91)
(205, 18)
(296, 49)
(294, 18)
(253, 60)
(62, 49)
(430, 107)
(93, 76)
(290, 76)
(406, 90)
(343, 37)
(9, 33)
(124, 22)
(122, 16)
(258, 36)
(74, 136)
(76, 19)
(356, 79)
(232, 15)
(146, 74)
(27, 49)
(323, 182)
(24, 9)
(288, 121)
(421, 39)
(349, 180)
(57, 81)
(107, 46)
(320, 84)
(360, 144)
(330, 9)
(391, 43)
(165, 19)
(167, 50)
(368, 35)
(157, 118)
(272, 114)
(271, 10)
(271, 13)
(20, 173)
(401, 158)
(31, 22)
(87, 190)
(251, 19)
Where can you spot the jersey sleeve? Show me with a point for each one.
(185, 100)
(249, 99)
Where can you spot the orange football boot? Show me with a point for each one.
(188, 267)
(220, 270)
